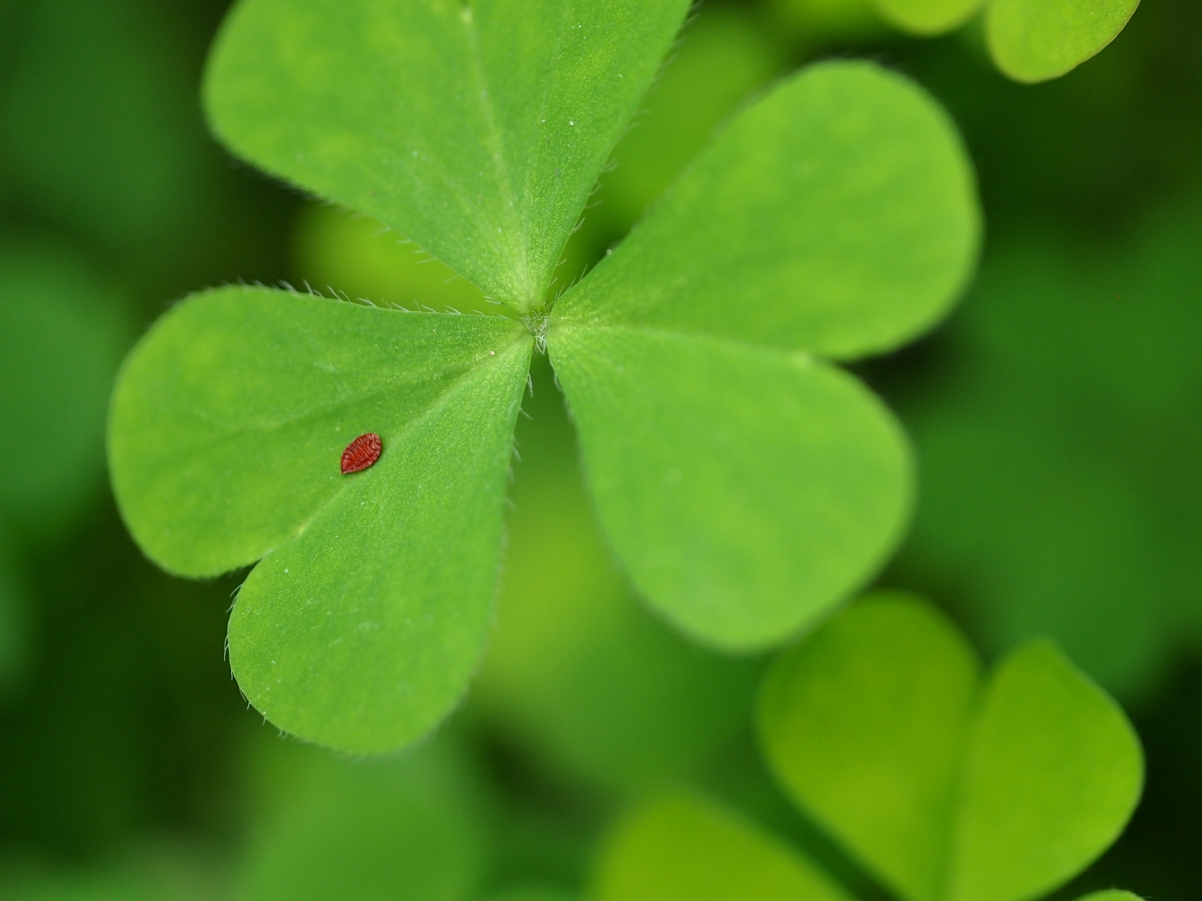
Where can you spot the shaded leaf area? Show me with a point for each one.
(532, 893)
(492, 129)
(225, 454)
(819, 25)
(943, 784)
(140, 879)
(101, 139)
(1060, 464)
(118, 738)
(681, 846)
(63, 327)
(14, 616)
(1098, 150)
(1170, 728)
(579, 674)
(317, 827)
(328, 827)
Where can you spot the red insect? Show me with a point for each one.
(361, 453)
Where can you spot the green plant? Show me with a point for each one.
(1029, 40)
(944, 784)
(745, 483)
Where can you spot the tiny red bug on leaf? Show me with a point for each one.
(361, 453)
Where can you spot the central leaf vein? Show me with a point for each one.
(496, 146)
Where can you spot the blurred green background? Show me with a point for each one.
(1058, 421)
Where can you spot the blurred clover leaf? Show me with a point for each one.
(825, 22)
(745, 482)
(945, 784)
(13, 626)
(1030, 40)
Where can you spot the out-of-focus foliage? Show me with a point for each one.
(101, 134)
(945, 786)
(1029, 40)
(13, 616)
(532, 894)
(413, 827)
(151, 876)
(1061, 461)
(1034, 40)
(927, 17)
(579, 671)
(343, 253)
(680, 847)
(823, 23)
(98, 124)
(62, 331)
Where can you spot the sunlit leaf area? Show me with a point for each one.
(600, 450)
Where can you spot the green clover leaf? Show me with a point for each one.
(944, 784)
(1034, 40)
(1030, 40)
(745, 482)
(683, 847)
